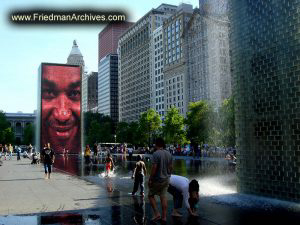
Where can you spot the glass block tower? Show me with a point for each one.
(265, 56)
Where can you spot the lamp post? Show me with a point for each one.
(115, 139)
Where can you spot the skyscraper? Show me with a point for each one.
(156, 71)
(175, 72)
(134, 63)
(108, 87)
(75, 58)
(108, 38)
(92, 91)
(208, 61)
(108, 69)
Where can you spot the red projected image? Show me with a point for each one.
(61, 107)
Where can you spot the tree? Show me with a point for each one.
(9, 136)
(227, 118)
(29, 134)
(150, 123)
(94, 131)
(122, 132)
(105, 131)
(173, 129)
(3, 125)
(199, 122)
(134, 134)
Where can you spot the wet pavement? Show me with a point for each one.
(91, 198)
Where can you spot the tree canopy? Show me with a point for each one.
(150, 123)
(198, 121)
(173, 128)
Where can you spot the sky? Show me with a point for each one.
(24, 48)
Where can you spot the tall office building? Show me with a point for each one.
(156, 72)
(108, 87)
(108, 38)
(175, 72)
(92, 80)
(108, 69)
(134, 63)
(75, 58)
(265, 46)
(208, 61)
(215, 8)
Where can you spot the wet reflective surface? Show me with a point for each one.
(215, 175)
(63, 218)
(219, 203)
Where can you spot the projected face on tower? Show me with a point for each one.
(61, 107)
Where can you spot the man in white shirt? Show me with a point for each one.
(184, 191)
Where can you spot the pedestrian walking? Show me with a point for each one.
(87, 154)
(48, 158)
(18, 149)
(138, 175)
(10, 151)
(159, 180)
(5, 151)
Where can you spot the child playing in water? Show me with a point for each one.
(109, 164)
(138, 175)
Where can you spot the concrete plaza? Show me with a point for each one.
(27, 198)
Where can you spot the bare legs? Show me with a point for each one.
(156, 214)
(154, 208)
(164, 205)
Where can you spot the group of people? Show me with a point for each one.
(109, 163)
(6, 151)
(161, 181)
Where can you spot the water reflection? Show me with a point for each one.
(139, 210)
(61, 218)
(215, 175)
(68, 163)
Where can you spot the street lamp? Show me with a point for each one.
(115, 139)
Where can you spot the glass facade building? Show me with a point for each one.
(265, 52)
(108, 86)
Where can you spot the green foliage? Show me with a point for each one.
(29, 134)
(199, 122)
(173, 129)
(227, 127)
(3, 122)
(134, 134)
(9, 136)
(149, 125)
(93, 133)
(98, 128)
(4, 132)
(122, 132)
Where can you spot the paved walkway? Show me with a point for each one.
(26, 198)
(24, 190)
